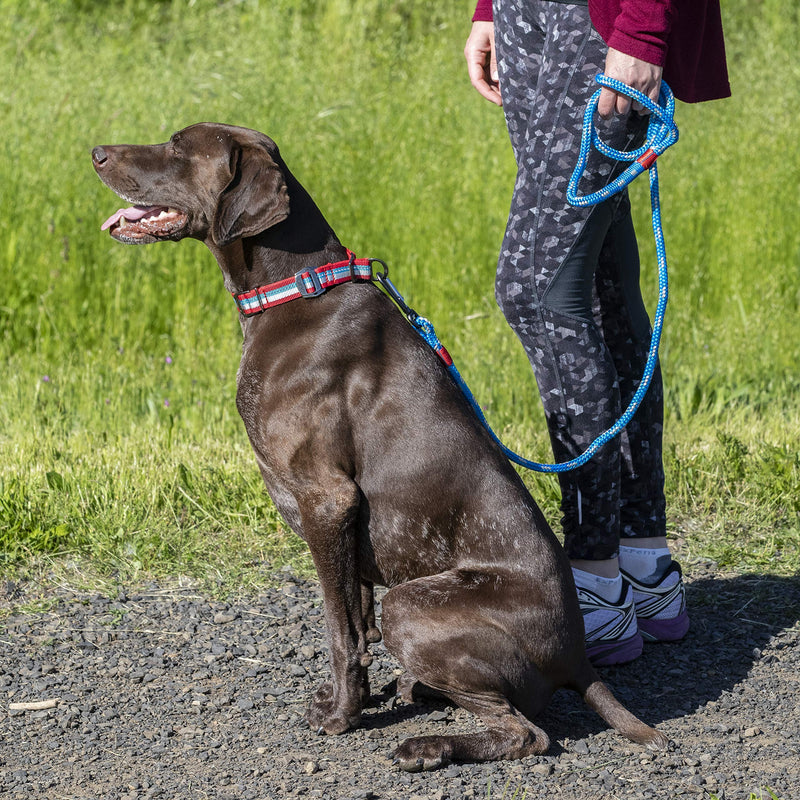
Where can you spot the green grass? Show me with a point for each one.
(121, 453)
(510, 792)
(754, 795)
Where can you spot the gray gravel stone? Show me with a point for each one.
(164, 694)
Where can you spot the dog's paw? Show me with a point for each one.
(406, 684)
(409, 690)
(658, 741)
(331, 723)
(421, 753)
(325, 718)
(373, 635)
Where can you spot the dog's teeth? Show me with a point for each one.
(122, 222)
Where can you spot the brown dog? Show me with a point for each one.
(373, 456)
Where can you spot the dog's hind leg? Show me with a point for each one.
(455, 633)
(509, 735)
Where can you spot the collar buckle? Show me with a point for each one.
(316, 284)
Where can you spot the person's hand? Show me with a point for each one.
(639, 74)
(482, 61)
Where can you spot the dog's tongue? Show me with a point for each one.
(131, 214)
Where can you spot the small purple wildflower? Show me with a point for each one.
(168, 360)
(166, 404)
(45, 379)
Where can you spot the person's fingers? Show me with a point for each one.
(494, 73)
(611, 102)
(479, 53)
(486, 88)
(606, 103)
(641, 75)
(653, 93)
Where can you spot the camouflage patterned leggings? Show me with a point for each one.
(568, 278)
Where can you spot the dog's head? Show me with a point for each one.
(217, 183)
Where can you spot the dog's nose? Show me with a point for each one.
(99, 156)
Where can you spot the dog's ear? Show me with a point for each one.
(255, 199)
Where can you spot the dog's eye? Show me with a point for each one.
(175, 144)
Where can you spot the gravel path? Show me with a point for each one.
(163, 693)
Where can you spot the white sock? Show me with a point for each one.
(608, 588)
(643, 563)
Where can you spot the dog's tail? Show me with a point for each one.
(599, 697)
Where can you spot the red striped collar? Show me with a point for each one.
(309, 282)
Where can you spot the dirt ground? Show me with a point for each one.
(160, 692)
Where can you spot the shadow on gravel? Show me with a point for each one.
(386, 711)
(733, 620)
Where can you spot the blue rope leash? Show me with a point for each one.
(661, 134)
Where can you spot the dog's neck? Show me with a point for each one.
(304, 239)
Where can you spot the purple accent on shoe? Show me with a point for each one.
(664, 630)
(661, 613)
(606, 654)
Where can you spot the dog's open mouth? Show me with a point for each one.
(143, 224)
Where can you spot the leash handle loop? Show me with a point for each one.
(662, 132)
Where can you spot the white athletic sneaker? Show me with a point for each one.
(661, 606)
(612, 635)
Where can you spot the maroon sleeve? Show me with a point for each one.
(685, 38)
(483, 11)
(639, 28)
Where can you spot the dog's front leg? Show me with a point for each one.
(329, 527)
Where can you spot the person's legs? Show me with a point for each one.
(548, 56)
(546, 266)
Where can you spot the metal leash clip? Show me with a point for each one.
(391, 290)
